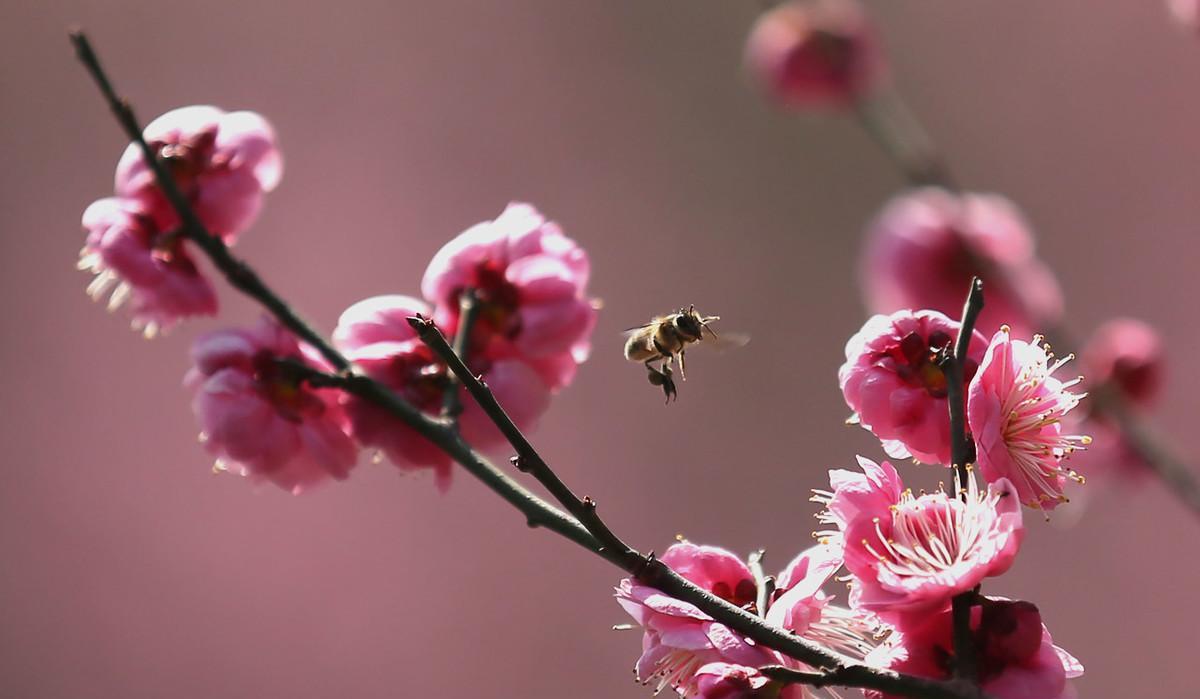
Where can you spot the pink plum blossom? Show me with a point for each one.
(138, 263)
(1186, 13)
(680, 641)
(1126, 355)
(530, 281)
(222, 162)
(910, 553)
(727, 681)
(1016, 656)
(892, 381)
(814, 54)
(374, 333)
(258, 418)
(1015, 409)
(679, 638)
(927, 244)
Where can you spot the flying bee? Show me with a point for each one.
(666, 337)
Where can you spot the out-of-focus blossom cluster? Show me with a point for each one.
(259, 414)
(221, 163)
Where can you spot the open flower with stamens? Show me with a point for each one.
(530, 282)
(221, 162)
(1015, 656)
(893, 382)
(259, 418)
(1015, 408)
(136, 263)
(910, 553)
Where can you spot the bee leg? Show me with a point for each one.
(668, 384)
(682, 374)
(661, 377)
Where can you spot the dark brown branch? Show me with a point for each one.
(468, 310)
(962, 452)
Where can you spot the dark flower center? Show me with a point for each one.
(186, 160)
(498, 301)
(283, 390)
(744, 594)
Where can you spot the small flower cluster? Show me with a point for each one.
(222, 163)
(261, 418)
(906, 555)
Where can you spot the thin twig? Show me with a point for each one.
(538, 512)
(468, 311)
(962, 448)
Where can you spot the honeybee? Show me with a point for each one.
(666, 337)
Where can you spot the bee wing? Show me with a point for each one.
(726, 341)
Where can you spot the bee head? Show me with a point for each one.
(692, 325)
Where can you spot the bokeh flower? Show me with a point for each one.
(892, 381)
(1016, 657)
(924, 248)
(1015, 408)
(258, 417)
(136, 263)
(819, 53)
(530, 282)
(222, 163)
(374, 333)
(910, 553)
(1126, 355)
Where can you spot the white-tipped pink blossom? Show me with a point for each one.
(913, 553)
(259, 418)
(530, 282)
(222, 162)
(894, 385)
(926, 245)
(138, 265)
(1015, 410)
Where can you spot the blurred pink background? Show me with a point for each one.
(128, 570)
